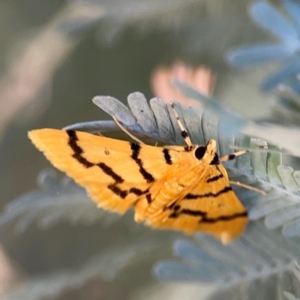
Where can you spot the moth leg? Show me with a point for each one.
(246, 186)
(232, 156)
(127, 132)
(184, 132)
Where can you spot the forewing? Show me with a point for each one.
(211, 207)
(115, 173)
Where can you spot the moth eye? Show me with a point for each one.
(199, 152)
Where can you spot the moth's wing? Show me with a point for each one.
(210, 207)
(115, 173)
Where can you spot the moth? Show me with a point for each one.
(172, 187)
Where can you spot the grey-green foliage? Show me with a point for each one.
(55, 201)
(261, 254)
(259, 264)
(288, 295)
(104, 266)
(285, 105)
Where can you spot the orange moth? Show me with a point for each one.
(172, 187)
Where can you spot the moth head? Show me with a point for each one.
(207, 153)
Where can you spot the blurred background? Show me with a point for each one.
(55, 56)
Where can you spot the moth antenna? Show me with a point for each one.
(127, 132)
(249, 187)
(232, 156)
(184, 132)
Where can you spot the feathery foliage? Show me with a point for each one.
(103, 267)
(286, 29)
(55, 200)
(258, 261)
